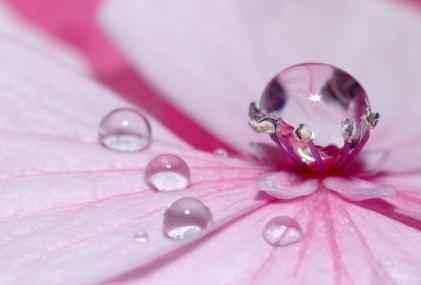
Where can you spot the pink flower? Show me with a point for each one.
(71, 208)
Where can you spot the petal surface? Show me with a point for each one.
(286, 185)
(357, 189)
(70, 207)
(342, 244)
(41, 97)
(219, 55)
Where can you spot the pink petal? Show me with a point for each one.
(342, 244)
(286, 185)
(408, 197)
(357, 189)
(271, 154)
(70, 207)
(14, 27)
(405, 157)
(39, 98)
(73, 23)
(367, 163)
(220, 55)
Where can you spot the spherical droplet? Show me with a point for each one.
(141, 236)
(167, 172)
(282, 231)
(125, 130)
(321, 98)
(220, 153)
(185, 217)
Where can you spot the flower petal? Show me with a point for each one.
(286, 185)
(70, 207)
(342, 244)
(219, 55)
(41, 97)
(367, 163)
(357, 189)
(405, 158)
(408, 197)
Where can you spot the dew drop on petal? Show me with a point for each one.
(322, 98)
(185, 217)
(220, 153)
(396, 272)
(167, 172)
(282, 231)
(141, 236)
(125, 130)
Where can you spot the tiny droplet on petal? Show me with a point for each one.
(220, 153)
(141, 236)
(167, 172)
(185, 217)
(282, 231)
(125, 130)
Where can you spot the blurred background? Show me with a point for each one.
(69, 31)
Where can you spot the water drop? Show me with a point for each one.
(141, 236)
(220, 153)
(125, 130)
(308, 104)
(185, 217)
(282, 231)
(167, 172)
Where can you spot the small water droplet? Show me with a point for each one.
(282, 231)
(185, 217)
(220, 153)
(125, 130)
(167, 172)
(141, 236)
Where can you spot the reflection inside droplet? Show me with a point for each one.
(141, 236)
(125, 130)
(282, 231)
(167, 172)
(185, 217)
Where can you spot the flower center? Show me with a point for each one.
(318, 113)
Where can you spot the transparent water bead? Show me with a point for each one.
(282, 231)
(185, 217)
(167, 172)
(317, 112)
(125, 130)
(141, 236)
(220, 153)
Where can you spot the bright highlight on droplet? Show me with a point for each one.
(185, 217)
(141, 236)
(125, 130)
(318, 113)
(167, 172)
(282, 231)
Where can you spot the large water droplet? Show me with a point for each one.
(141, 236)
(315, 108)
(125, 130)
(167, 172)
(282, 231)
(185, 217)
